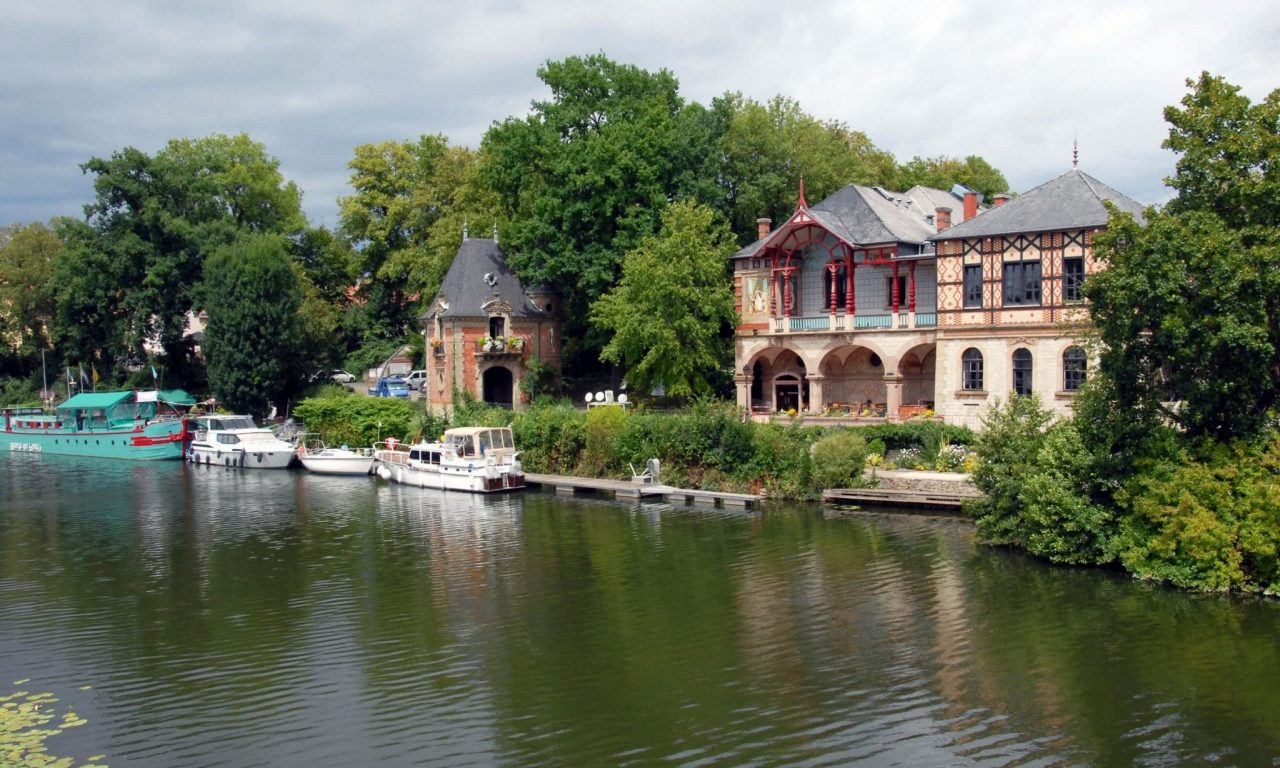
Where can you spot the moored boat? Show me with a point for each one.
(117, 425)
(324, 460)
(473, 459)
(236, 441)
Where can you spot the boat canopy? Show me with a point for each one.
(95, 400)
(170, 396)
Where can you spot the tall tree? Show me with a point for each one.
(152, 222)
(669, 313)
(1188, 307)
(253, 296)
(768, 148)
(584, 178)
(26, 303)
(409, 199)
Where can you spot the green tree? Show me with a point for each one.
(1188, 307)
(252, 295)
(670, 310)
(26, 303)
(943, 172)
(406, 218)
(585, 177)
(151, 224)
(768, 148)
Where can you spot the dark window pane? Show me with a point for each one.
(1022, 372)
(971, 362)
(1073, 279)
(1074, 369)
(973, 287)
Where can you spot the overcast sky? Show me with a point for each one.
(311, 79)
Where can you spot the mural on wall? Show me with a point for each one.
(756, 298)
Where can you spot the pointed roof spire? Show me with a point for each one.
(1075, 152)
(495, 231)
(465, 235)
(802, 203)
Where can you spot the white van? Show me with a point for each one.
(415, 379)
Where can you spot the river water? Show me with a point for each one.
(210, 617)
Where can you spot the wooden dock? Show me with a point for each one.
(895, 497)
(632, 490)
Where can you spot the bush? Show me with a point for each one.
(1007, 447)
(1209, 522)
(838, 459)
(358, 420)
(550, 437)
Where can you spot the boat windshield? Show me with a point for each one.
(230, 422)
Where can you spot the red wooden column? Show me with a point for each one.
(832, 269)
(787, 272)
(911, 292)
(849, 302)
(893, 288)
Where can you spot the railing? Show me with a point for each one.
(495, 347)
(842, 322)
(810, 323)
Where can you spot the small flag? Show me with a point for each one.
(154, 376)
(84, 377)
(94, 367)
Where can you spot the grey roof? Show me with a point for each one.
(1070, 201)
(930, 200)
(871, 215)
(478, 274)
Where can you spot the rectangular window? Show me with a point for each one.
(1073, 279)
(902, 292)
(497, 327)
(1021, 283)
(973, 287)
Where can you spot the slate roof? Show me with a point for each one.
(466, 286)
(870, 215)
(1070, 201)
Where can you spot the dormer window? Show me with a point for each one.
(497, 327)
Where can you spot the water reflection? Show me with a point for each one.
(226, 617)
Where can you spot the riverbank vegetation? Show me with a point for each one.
(1170, 467)
(707, 445)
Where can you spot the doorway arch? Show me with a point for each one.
(498, 387)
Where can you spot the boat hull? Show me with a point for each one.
(156, 441)
(337, 465)
(241, 457)
(474, 480)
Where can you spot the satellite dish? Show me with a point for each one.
(622, 398)
(588, 397)
(490, 279)
(600, 397)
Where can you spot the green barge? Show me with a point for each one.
(139, 425)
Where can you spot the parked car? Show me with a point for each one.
(415, 379)
(341, 376)
(391, 386)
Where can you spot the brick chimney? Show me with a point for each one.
(943, 218)
(764, 225)
(1000, 199)
(970, 204)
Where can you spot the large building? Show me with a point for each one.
(483, 330)
(883, 304)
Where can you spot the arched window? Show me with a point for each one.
(1075, 369)
(1021, 372)
(971, 365)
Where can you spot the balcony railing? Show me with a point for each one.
(496, 347)
(857, 322)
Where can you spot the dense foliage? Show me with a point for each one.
(253, 298)
(670, 312)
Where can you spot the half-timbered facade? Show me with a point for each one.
(871, 303)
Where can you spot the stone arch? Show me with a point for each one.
(770, 367)
(918, 367)
(852, 375)
(498, 385)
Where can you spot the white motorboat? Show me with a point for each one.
(473, 459)
(235, 441)
(321, 459)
